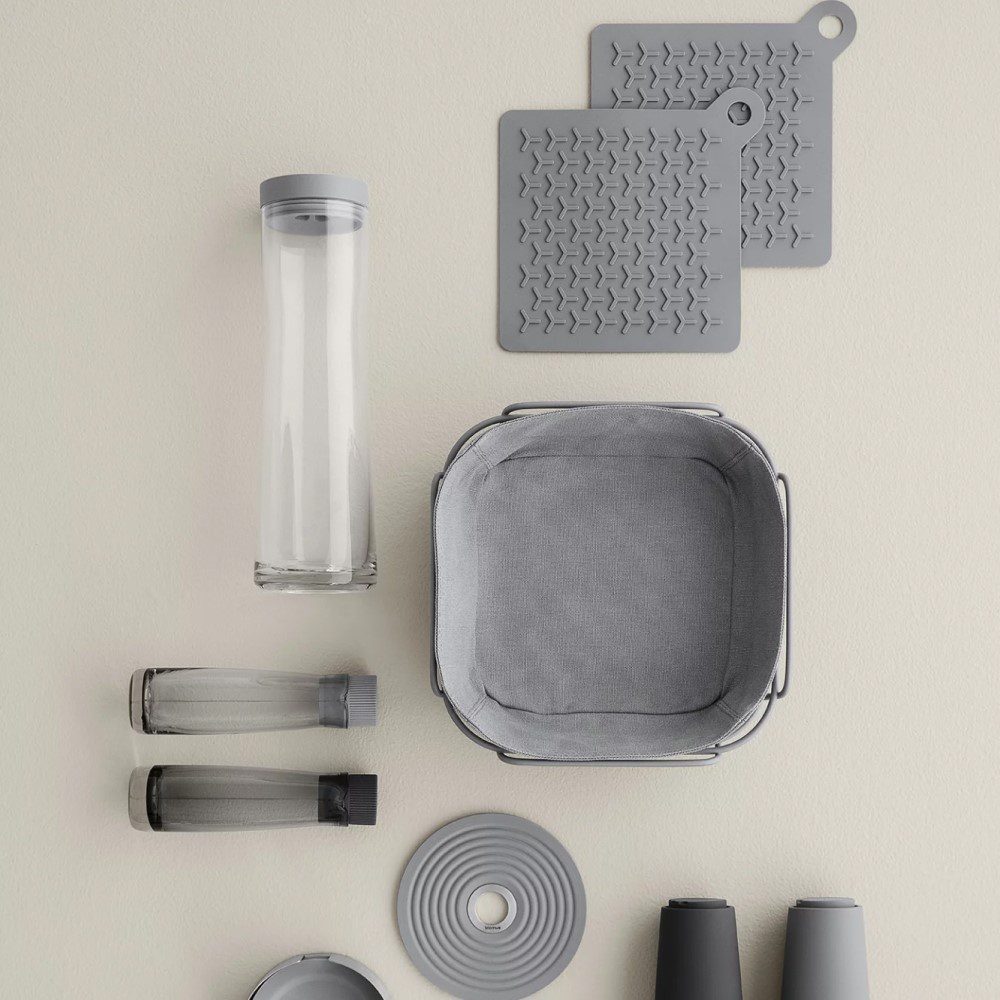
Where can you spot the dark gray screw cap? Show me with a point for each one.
(362, 799)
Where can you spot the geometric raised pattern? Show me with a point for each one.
(786, 168)
(620, 231)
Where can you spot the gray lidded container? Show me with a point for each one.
(316, 525)
(320, 977)
(825, 955)
(699, 956)
(610, 584)
(202, 700)
(192, 798)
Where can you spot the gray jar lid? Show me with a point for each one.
(826, 903)
(292, 187)
(699, 904)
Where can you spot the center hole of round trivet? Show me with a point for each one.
(492, 908)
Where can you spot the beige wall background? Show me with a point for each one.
(131, 344)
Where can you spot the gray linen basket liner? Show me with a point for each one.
(610, 583)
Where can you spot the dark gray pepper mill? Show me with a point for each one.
(699, 956)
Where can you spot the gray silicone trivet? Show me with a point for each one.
(620, 230)
(546, 908)
(787, 166)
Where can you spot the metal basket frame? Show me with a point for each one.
(709, 755)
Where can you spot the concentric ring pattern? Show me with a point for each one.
(491, 849)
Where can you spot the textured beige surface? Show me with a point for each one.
(134, 135)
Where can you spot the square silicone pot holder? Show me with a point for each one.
(620, 230)
(787, 166)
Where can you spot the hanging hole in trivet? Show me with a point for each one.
(831, 26)
(739, 113)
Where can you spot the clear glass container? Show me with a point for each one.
(203, 700)
(316, 531)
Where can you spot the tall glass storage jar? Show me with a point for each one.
(316, 531)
